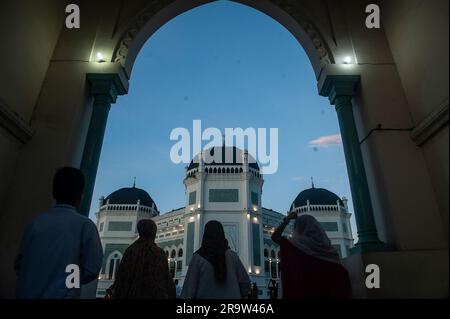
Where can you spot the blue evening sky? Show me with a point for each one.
(227, 65)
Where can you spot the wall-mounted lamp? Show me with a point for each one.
(100, 57)
(348, 60)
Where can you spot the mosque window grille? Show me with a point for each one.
(273, 269)
(119, 226)
(192, 198)
(224, 195)
(330, 226)
(267, 267)
(255, 198)
(272, 254)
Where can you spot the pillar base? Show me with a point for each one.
(403, 274)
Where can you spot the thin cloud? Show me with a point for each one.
(326, 141)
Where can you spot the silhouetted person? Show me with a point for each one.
(143, 272)
(215, 271)
(253, 292)
(310, 266)
(57, 239)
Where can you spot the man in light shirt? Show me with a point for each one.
(57, 239)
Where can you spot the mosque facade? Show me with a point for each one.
(227, 191)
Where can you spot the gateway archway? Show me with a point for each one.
(340, 87)
(53, 94)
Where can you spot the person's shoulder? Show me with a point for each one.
(197, 258)
(158, 249)
(284, 241)
(232, 254)
(41, 218)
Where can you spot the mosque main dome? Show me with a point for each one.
(236, 152)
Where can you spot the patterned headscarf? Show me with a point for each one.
(310, 237)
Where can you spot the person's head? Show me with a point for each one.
(68, 186)
(214, 247)
(176, 281)
(214, 234)
(310, 237)
(147, 229)
(308, 226)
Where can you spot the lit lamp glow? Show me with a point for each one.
(347, 60)
(100, 57)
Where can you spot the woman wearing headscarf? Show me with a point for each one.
(310, 266)
(143, 272)
(215, 271)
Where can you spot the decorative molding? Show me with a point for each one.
(289, 6)
(431, 125)
(14, 124)
(121, 50)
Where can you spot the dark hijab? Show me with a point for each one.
(214, 246)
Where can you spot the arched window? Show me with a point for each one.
(266, 253)
(278, 254)
(232, 170)
(272, 254)
(113, 264)
(180, 252)
(173, 254)
(167, 254)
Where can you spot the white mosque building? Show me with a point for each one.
(229, 192)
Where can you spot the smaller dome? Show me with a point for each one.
(316, 196)
(130, 195)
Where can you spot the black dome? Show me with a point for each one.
(237, 153)
(130, 195)
(316, 196)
